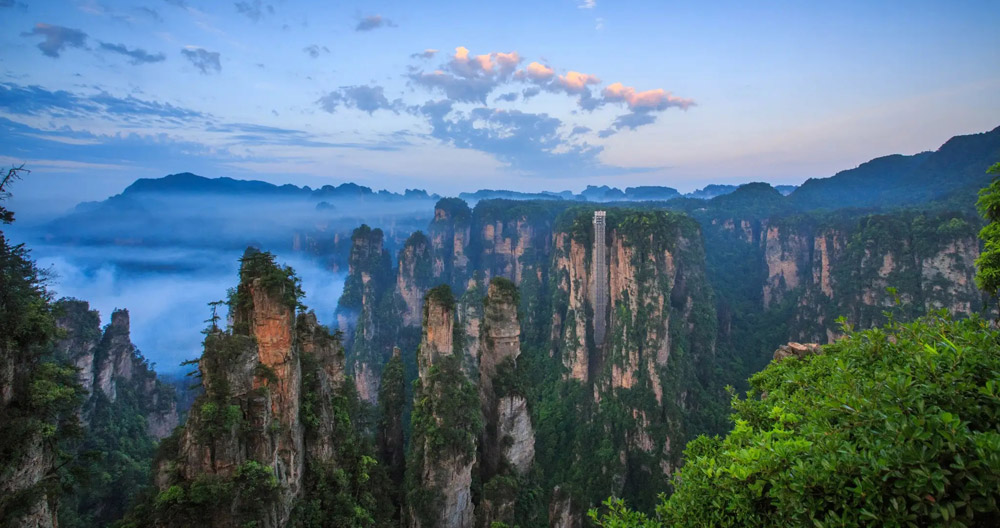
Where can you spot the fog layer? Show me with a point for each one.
(167, 290)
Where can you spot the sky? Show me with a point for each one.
(450, 97)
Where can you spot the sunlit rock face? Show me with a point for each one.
(250, 416)
(444, 473)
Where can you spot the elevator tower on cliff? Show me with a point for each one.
(600, 279)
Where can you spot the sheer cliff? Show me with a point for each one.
(271, 441)
(125, 411)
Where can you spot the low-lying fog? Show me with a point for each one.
(166, 290)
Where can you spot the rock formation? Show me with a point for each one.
(267, 429)
(414, 276)
(508, 440)
(796, 350)
(449, 236)
(368, 311)
(446, 424)
(109, 361)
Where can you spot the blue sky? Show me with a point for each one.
(459, 96)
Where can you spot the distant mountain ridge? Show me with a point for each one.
(958, 166)
(188, 183)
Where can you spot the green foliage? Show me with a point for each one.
(506, 289)
(445, 423)
(456, 209)
(898, 426)
(367, 256)
(349, 489)
(988, 263)
(423, 271)
(440, 295)
(391, 403)
(278, 281)
(38, 414)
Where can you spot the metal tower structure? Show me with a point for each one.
(600, 279)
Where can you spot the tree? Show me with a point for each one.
(13, 174)
(988, 263)
(888, 427)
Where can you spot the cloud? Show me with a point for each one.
(575, 82)
(579, 130)
(426, 54)
(496, 64)
(530, 92)
(630, 121)
(536, 72)
(507, 97)
(362, 97)
(469, 78)
(35, 100)
(524, 141)
(57, 38)
(206, 61)
(251, 134)
(314, 50)
(371, 22)
(137, 55)
(253, 10)
(587, 4)
(130, 106)
(455, 88)
(646, 101)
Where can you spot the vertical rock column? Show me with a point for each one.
(446, 422)
(508, 444)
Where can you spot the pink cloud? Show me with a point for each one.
(658, 99)
(576, 82)
(536, 72)
(496, 63)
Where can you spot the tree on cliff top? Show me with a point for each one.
(988, 263)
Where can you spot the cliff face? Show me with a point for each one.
(507, 446)
(414, 276)
(573, 281)
(449, 237)
(446, 423)
(689, 305)
(108, 362)
(832, 270)
(267, 425)
(370, 311)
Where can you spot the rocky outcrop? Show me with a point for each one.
(570, 326)
(450, 233)
(414, 276)
(796, 350)
(947, 274)
(247, 433)
(369, 311)
(446, 422)
(843, 266)
(562, 510)
(507, 446)
(108, 362)
(784, 253)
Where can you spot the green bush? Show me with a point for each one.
(898, 426)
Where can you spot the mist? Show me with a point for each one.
(167, 290)
(165, 248)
